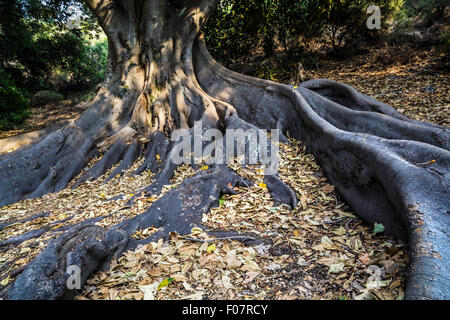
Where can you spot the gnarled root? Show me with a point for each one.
(388, 168)
(88, 248)
(85, 248)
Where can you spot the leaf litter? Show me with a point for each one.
(320, 250)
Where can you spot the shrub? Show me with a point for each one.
(239, 26)
(44, 97)
(445, 41)
(39, 51)
(14, 106)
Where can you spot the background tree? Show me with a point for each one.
(291, 23)
(39, 50)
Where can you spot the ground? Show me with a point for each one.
(320, 249)
(46, 115)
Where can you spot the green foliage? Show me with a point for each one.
(39, 50)
(240, 25)
(234, 28)
(445, 42)
(45, 97)
(346, 20)
(85, 65)
(13, 103)
(427, 10)
(419, 15)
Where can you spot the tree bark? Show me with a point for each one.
(388, 168)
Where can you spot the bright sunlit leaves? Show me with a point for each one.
(165, 283)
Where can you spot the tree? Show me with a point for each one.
(389, 168)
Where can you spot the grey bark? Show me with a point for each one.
(163, 78)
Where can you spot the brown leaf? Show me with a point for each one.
(364, 258)
(328, 188)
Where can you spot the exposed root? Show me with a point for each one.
(91, 247)
(123, 136)
(368, 151)
(64, 171)
(23, 237)
(156, 154)
(46, 277)
(388, 168)
(33, 217)
(280, 192)
(131, 155)
(354, 118)
(108, 160)
(13, 143)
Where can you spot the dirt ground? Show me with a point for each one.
(46, 115)
(412, 81)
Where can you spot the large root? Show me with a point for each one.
(49, 164)
(90, 247)
(388, 168)
(19, 141)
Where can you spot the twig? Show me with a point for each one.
(337, 221)
(241, 238)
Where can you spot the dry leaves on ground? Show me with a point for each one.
(320, 250)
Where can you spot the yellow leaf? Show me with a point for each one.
(211, 248)
(57, 226)
(165, 283)
(158, 157)
(102, 195)
(196, 230)
(263, 185)
(296, 233)
(4, 281)
(205, 167)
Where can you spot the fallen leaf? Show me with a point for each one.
(211, 248)
(378, 228)
(149, 291)
(364, 258)
(165, 283)
(4, 281)
(328, 188)
(336, 268)
(226, 281)
(179, 277)
(232, 261)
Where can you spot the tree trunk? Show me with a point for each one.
(388, 168)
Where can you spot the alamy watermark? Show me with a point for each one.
(74, 280)
(374, 21)
(74, 21)
(211, 146)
